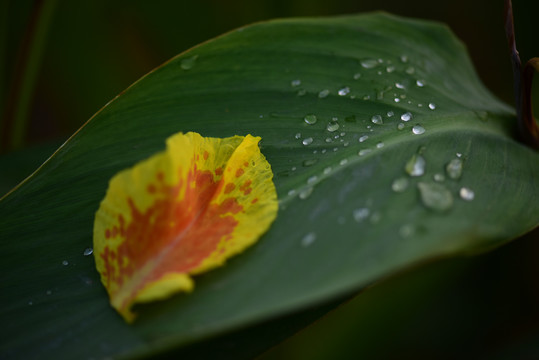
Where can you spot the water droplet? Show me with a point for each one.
(435, 196)
(312, 179)
(454, 169)
(344, 91)
(380, 145)
(88, 251)
(466, 194)
(335, 149)
(327, 170)
(302, 92)
(432, 106)
(361, 214)
(328, 139)
(188, 63)
(416, 165)
(49, 292)
(369, 63)
(377, 119)
(309, 162)
(407, 230)
(343, 133)
(308, 239)
(458, 154)
(332, 126)
(366, 97)
(343, 162)
(482, 115)
(357, 76)
(439, 177)
(407, 116)
(397, 100)
(310, 119)
(65, 262)
(390, 113)
(324, 151)
(390, 69)
(399, 86)
(410, 70)
(404, 58)
(306, 192)
(30, 303)
(291, 192)
(307, 141)
(363, 138)
(400, 126)
(420, 83)
(418, 130)
(322, 94)
(295, 83)
(298, 136)
(364, 152)
(400, 184)
(294, 168)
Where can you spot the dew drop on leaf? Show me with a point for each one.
(454, 169)
(418, 130)
(361, 214)
(377, 119)
(369, 63)
(305, 193)
(344, 91)
(308, 239)
(435, 196)
(188, 63)
(416, 165)
(324, 93)
(400, 184)
(310, 119)
(307, 141)
(332, 126)
(407, 116)
(466, 194)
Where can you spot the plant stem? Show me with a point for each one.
(17, 109)
(522, 80)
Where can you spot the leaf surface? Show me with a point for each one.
(342, 105)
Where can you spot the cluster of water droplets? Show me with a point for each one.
(407, 103)
(434, 194)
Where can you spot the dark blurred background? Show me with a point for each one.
(92, 50)
(89, 51)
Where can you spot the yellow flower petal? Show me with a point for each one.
(181, 212)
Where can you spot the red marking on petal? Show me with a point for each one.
(246, 164)
(239, 172)
(246, 187)
(229, 187)
(254, 201)
(151, 189)
(219, 171)
(107, 234)
(178, 234)
(206, 154)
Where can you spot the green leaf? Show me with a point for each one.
(340, 226)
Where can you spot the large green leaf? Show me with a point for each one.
(350, 230)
